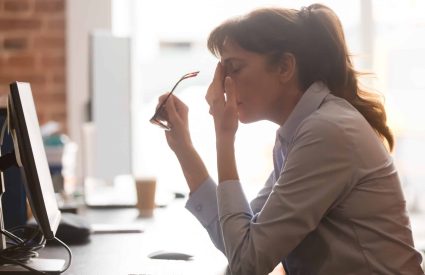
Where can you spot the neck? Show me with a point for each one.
(284, 107)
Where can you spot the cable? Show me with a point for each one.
(21, 250)
(8, 261)
(24, 247)
(12, 236)
(69, 253)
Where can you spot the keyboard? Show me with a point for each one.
(173, 267)
(120, 193)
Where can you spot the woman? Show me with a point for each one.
(333, 204)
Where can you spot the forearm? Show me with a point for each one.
(226, 161)
(193, 167)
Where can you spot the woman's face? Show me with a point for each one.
(258, 87)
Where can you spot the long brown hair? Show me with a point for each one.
(315, 36)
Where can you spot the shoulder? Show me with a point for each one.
(321, 127)
(328, 129)
(335, 119)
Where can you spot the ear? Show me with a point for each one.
(287, 67)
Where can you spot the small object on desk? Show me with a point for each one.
(179, 195)
(101, 194)
(160, 205)
(170, 255)
(73, 229)
(146, 189)
(103, 228)
(69, 208)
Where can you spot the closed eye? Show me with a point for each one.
(233, 66)
(233, 69)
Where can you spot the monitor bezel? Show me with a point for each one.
(47, 219)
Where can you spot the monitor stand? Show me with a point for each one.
(49, 266)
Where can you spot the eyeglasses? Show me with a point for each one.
(156, 119)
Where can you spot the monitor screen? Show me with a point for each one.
(31, 158)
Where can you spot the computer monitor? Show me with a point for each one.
(30, 157)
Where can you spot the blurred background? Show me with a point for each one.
(97, 68)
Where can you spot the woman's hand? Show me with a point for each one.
(225, 113)
(178, 138)
(223, 104)
(176, 113)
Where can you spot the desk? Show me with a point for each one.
(171, 228)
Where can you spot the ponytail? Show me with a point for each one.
(330, 62)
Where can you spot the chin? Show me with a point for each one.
(246, 119)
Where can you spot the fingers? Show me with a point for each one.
(225, 110)
(229, 88)
(219, 73)
(174, 109)
(215, 94)
(216, 100)
(216, 85)
(170, 107)
(180, 105)
(161, 113)
(161, 100)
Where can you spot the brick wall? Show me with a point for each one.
(32, 49)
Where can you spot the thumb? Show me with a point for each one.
(170, 107)
(229, 89)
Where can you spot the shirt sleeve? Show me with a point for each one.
(258, 202)
(317, 171)
(203, 205)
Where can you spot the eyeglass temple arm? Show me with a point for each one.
(172, 90)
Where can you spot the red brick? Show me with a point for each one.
(21, 60)
(23, 77)
(57, 109)
(49, 6)
(12, 70)
(58, 77)
(15, 43)
(53, 60)
(59, 117)
(49, 42)
(4, 89)
(17, 24)
(32, 49)
(57, 112)
(51, 93)
(16, 5)
(56, 25)
(55, 97)
(6, 79)
(49, 110)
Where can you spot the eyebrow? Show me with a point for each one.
(230, 59)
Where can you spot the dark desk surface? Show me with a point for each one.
(172, 228)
